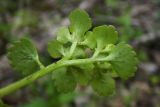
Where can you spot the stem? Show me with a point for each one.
(40, 64)
(95, 53)
(31, 78)
(73, 47)
(71, 51)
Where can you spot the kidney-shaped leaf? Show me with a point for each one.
(123, 60)
(23, 56)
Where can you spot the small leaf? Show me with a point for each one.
(63, 35)
(89, 40)
(64, 80)
(108, 48)
(79, 23)
(105, 35)
(103, 85)
(23, 56)
(55, 49)
(88, 66)
(83, 73)
(113, 73)
(123, 60)
(79, 53)
(104, 65)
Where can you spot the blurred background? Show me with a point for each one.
(138, 23)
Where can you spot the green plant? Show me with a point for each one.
(88, 57)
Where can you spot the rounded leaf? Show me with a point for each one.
(123, 60)
(80, 23)
(63, 35)
(105, 35)
(55, 49)
(23, 56)
(64, 80)
(103, 85)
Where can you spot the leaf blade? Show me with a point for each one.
(23, 56)
(83, 73)
(64, 80)
(79, 23)
(55, 49)
(103, 85)
(105, 35)
(63, 35)
(123, 60)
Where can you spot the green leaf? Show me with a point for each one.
(105, 35)
(64, 80)
(87, 67)
(23, 56)
(79, 53)
(103, 85)
(63, 35)
(89, 40)
(55, 49)
(79, 23)
(104, 65)
(108, 48)
(123, 60)
(83, 73)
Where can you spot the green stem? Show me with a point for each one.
(40, 64)
(95, 53)
(31, 78)
(73, 47)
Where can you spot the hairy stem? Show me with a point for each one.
(31, 78)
